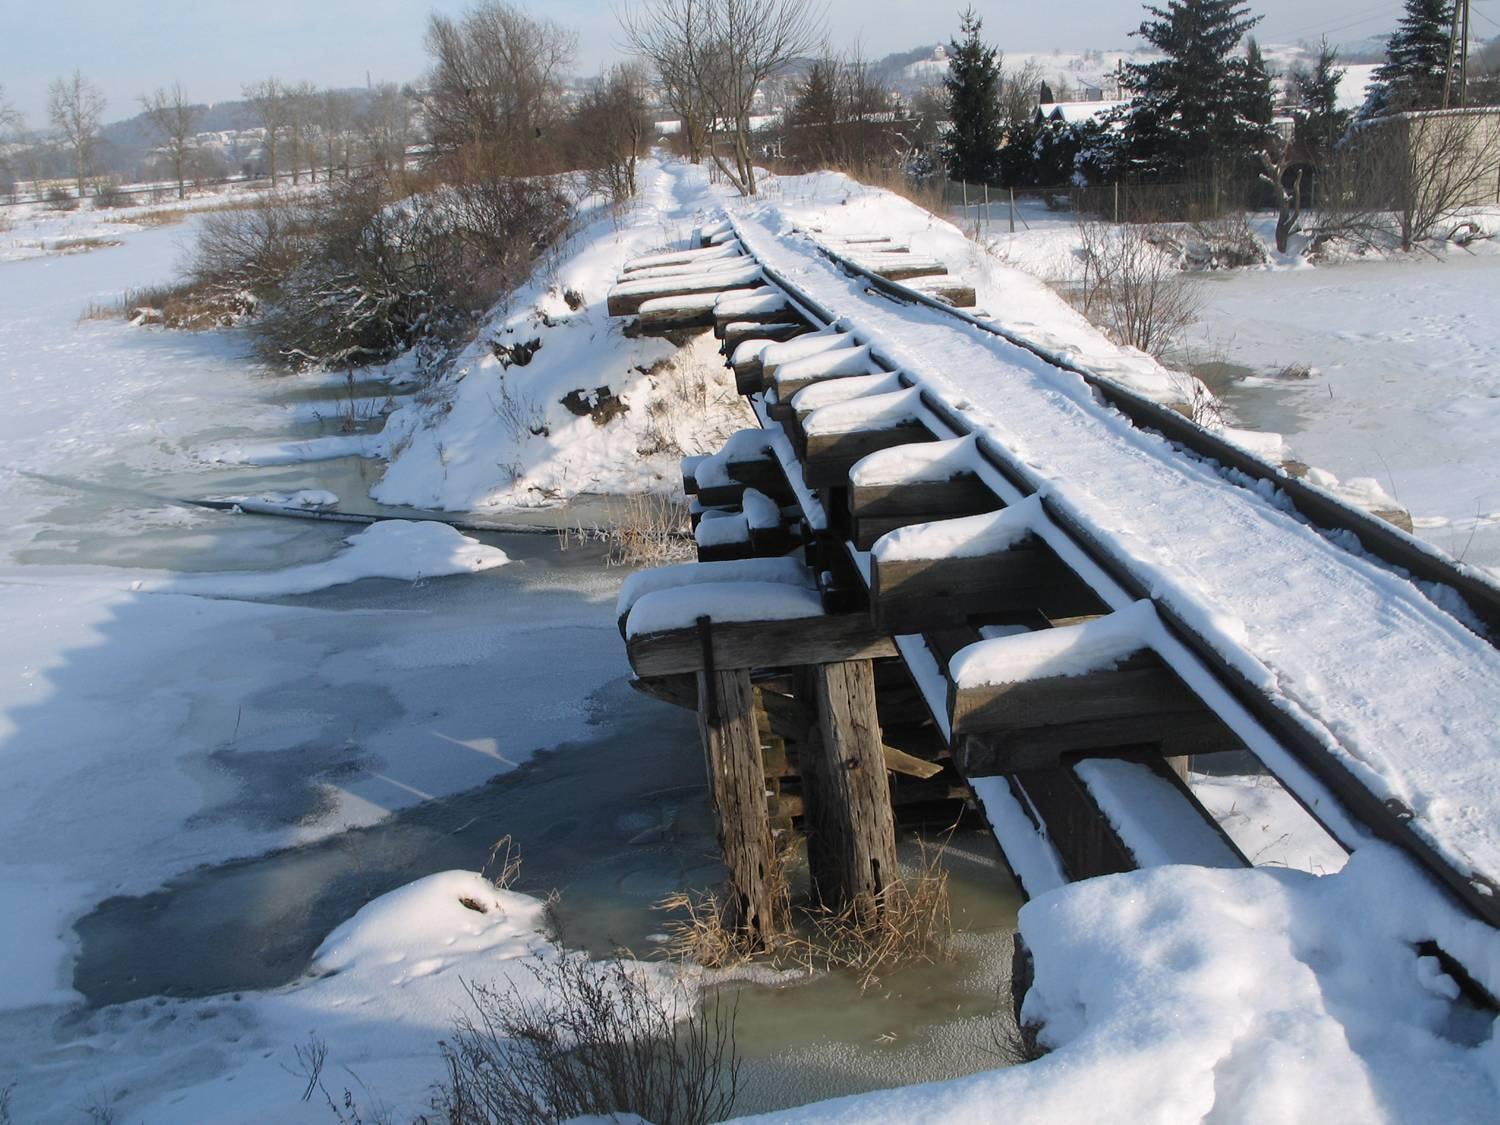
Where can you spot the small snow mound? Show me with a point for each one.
(434, 913)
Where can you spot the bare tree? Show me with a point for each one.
(723, 51)
(610, 126)
(1020, 90)
(671, 35)
(10, 119)
(268, 102)
(494, 90)
(173, 119)
(1277, 163)
(303, 107)
(75, 107)
(335, 126)
(1426, 168)
(384, 126)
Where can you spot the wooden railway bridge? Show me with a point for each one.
(895, 610)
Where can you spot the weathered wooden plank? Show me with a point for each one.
(726, 723)
(686, 269)
(738, 331)
(901, 267)
(876, 509)
(827, 458)
(682, 257)
(680, 690)
(1140, 687)
(764, 474)
(955, 293)
(909, 765)
(854, 803)
(1082, 835)
(626, 298)
(760, 644)
(989, 754)
(914, 595)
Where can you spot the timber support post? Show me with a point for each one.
(731, 743)
(856, 828)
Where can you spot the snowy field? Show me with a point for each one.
(1400, 405)
(180, 687)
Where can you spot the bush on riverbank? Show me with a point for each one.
(360, 272)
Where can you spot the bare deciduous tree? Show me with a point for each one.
(723, 51)
(610, 126)
(75, 107)
(839, 117)
(1420, 170)
(494, 90)
(174, 119)
(1276, 163)
(335, 125)
(303, 108)
(268, 102)
(384, 126)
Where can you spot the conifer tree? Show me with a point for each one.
(1315, 93)
(1257, 98)
(971, 144)
(1416, 61)
(1188, 109)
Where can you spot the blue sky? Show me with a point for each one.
(214, 46)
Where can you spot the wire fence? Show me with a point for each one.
(1017, 209)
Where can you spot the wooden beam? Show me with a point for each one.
(1084, 840)
(854, 814)
(737, 332)
(680, 690)
(876, 509)
(731, 743)
(1140, 687)
(827, 458)
(915, 595)
(990, 754)
(760, 644)
(626, 298)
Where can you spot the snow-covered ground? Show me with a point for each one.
(153, 718)
(1394, 391)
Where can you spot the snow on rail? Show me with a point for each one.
(1401, 693)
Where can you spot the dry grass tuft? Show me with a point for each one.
(910, 920)
(649, 529)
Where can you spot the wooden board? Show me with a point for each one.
(1084, 840)
(1141, 687)
(737, 332)
(761, 644)
(881, 508)
(827, 458)
(915, 596)
(1196, 732)
(626, 298)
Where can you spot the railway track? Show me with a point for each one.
(936, 530)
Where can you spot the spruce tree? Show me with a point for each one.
(1187, 109)
(1257, 101)
(1416, 61)
(971, 144)
(1315, 91)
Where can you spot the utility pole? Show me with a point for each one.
(1458, 56)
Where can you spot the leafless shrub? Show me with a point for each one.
(1224, 243)
(358, 274)
(1405, 176)
(520, 413)
(61, 199)
(312, 1060)
(108, 196)
(610, 125)
(593, 1039)
(1131, 288)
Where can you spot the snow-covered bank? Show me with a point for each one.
(552, 399)
(1183, 994)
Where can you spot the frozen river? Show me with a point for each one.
(200, 788)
